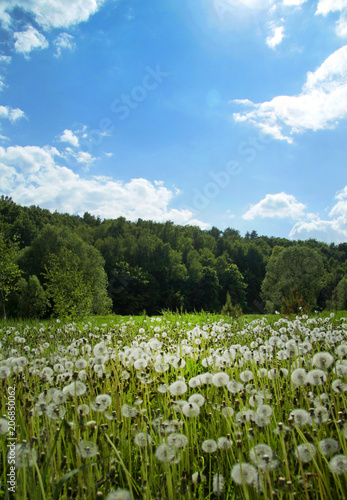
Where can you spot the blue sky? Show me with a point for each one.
(229, 113)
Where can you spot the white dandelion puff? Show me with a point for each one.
(306, 452)
(87, 449)
(243, 473)
(328, 446)
(338, 464)
(209, 446)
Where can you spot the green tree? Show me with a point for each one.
(341, 294)
(293, 279)
(32, 300)
(37, 260)
(9, 269)
(70, 293)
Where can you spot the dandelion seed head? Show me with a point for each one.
(209, 446)
(328, 446)
(338, 464)
(243, 473)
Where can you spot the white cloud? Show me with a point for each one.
(26, 41)
(324, 7)
(12, 114)
(341, 27)
(70, 137)
(276, 37)
(295, 3)
(30, 175)
(281, 205)
(85, 158)
(64, 42)
(333, 230)
(52, 13)
(321, 104)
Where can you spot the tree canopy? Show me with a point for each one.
(131, 267)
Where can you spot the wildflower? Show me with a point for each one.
(197, 399)
(3, 426)
(220, 379)
(177, 441)
(322, 360)
(299, 376)
(320, 415)
(256, 400)
(129, 411)
(164, 453)
(245, 416)
(218, 484)
(59, 397)
(142, 439)
(306, 452)
(262, 456)
(243, 473)
(264, 411)
(209, 446)
(340, 370)
(191, 409)
(301, 417)
(26, 456)
(76, 388)
(194, 382)
(339, 386)
(338, 464)
(119, 494)
(54, 411)
(87, 449)
(163, 388)
(328, 446)
(246, 375)
(228, 412)
(233, 386)
(206, 378)
(262, 421)
(316, 377)
(140, 364)
(224, 443)
(104, 399)
(177, 388)
(100, 349)
(80, 364)
(5, 371)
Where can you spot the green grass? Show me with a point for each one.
(173, 347)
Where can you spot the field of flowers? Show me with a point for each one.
(175, 407)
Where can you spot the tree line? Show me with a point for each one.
(69, 265)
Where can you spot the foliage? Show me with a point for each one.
(230, 310)
(9, 270)
(71, 295)
(153, 266)
(293, 279)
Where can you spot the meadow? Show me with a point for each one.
(174, 407)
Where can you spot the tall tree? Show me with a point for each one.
(9, 269)
(293, 279)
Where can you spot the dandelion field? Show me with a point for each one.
(175, 407)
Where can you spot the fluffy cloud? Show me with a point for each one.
(70, 137)
(51, 14)
(324, 7)
(281, 205)
(295, 3)
(328, 230)
(26, 41)
(31, 175)
(276, 36)
(341, 27)
(64, 42)
(12, 114)
(320, 105)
